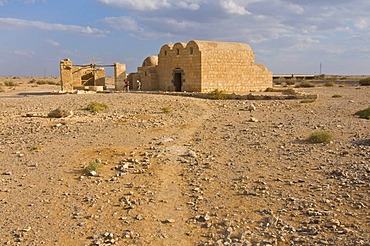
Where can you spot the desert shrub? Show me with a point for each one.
(364, 82)
(270, 89)
(32, 81)
(93, 166)
(341, 86)
(9, 83)
(96, 107)
(44, 82)
(320, 137)
(329, 84)
(289, 91)
(41, 82)
(305, 84)
(217, 95)
(278, 82)
(167, 109)
(307, 100)
(290, 82)
(364, 114)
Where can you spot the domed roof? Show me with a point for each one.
(150, 61)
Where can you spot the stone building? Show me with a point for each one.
(89, 76)
(202, 66)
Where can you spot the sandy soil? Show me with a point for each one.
(183, 171)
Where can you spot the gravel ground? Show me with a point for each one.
(183, 171)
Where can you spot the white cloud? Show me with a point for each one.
(52, 42)
(361, 24)
(123, 23)
(13, 22)
(233, 8)
(145, 5)
(24, 53)
(142, 5)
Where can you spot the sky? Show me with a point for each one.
(287, 36)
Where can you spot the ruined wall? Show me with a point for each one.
(119, 76)
(66, 75)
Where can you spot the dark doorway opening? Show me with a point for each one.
(177, 80)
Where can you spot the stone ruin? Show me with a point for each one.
(202, 66)
(198, 66)
(89, 77)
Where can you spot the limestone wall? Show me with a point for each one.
(204, 66)
(179, 58)
(230, 67)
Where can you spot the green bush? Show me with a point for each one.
(320, 137)
(93, 166)
(305, 84)
(329, 84)
(96, 107)
(364, 82)
(217, 95)
(364, 114)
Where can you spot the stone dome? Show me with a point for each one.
(150, 61)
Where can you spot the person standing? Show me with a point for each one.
(127, 86)
(138, 85)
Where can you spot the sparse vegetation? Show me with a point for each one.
(96, 107)
(330, 84)
(289, 91)
(305, 84)
(9, 83)
(364, 114)
(93, 166)
(43, 82)
(307, 100)
(217, 95)
(364, 82)
(36, 148)
(336, 96)
(320, 137)
(167, 109)
(290, 82)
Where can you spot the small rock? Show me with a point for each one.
(59, 113)
(168, 221)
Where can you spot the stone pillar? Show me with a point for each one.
(66, 75)
(119, 76)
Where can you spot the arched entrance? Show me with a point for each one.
(178, 75)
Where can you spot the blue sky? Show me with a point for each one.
(288, 36)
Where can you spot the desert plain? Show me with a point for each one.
(179, 170)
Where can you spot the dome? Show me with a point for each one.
(150, 61)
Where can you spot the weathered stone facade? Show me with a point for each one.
(87, 76)
(203, 66)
